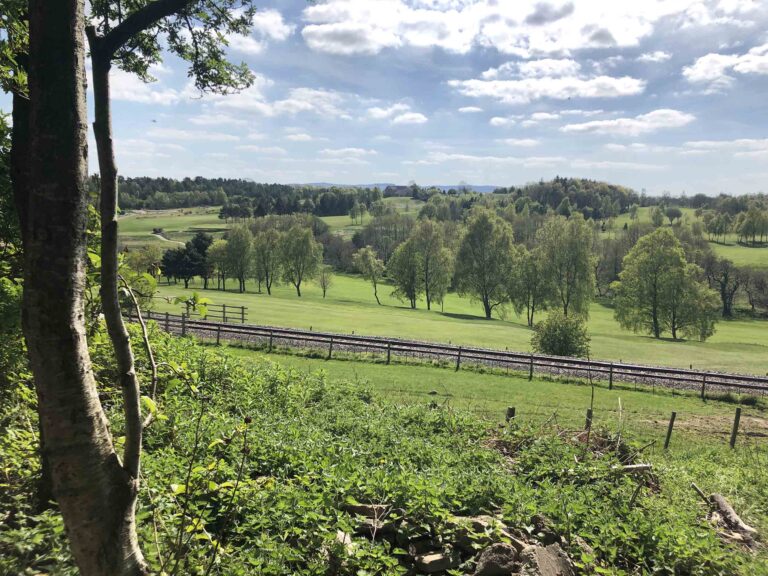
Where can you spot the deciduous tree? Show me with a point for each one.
(405, 269)
(371, 267)
(485, 262)
(566, 247)
(301, 256)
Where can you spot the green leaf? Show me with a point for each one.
(148, 404)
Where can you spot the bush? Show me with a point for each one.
(561, 335)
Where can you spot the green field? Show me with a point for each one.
(740, 255)
(645, 411)
(738, 345)
(178, 225)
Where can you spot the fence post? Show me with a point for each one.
(218, 334)
(389, 351)
(510, 413)
(610, 378)
(183, 324)
(270, 340)
(330, 348)
(588, 423)
(530, 369)
(669, 430)
(167, 322)
(703, 385)
(224, 313)
(242, 314)
(458, 359)
(735, 430)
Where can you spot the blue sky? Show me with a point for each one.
(659, 94)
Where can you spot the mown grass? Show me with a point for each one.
(727, 248)
(180, 224)
(737, 346)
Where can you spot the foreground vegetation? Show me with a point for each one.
(260, 462)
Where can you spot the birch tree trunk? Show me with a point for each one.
(95, 492)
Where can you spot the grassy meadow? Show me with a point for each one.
(738, 345)
(740, 255)
(180, 224)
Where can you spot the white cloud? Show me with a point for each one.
(269, 150)
(654, 57)
(327, 103)
(470, 109)
(266, 25)
(642, 124)
(216, 119)
(129, 88)
(526, 90)
(487, 161)
(378, 113)
(539, 116)
(184, 135)
(713, 69)
(741, 148)
(301, 137)
(500, 121)
(270, 24)
(519, 142)
(347, 152)
(585, 113)
(525, 28)
(639, 147)
(611, 165)
(410, 118)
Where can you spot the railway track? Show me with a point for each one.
(392, 348)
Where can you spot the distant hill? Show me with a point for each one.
(481, 188)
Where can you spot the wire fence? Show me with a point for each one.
(390, 349)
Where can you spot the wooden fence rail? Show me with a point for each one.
(703, 381)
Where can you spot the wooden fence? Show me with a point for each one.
(390, 348)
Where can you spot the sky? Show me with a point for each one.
(661, 95)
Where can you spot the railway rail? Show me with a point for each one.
(528, 363)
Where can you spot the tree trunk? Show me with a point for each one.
(488, 308)
(95, 493)
(20, 186)
(298, 288)
(376, 294)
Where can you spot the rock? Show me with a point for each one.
(431, 563)
(545, 561)
(497, 560)
(480, 531)
(345, 540)
(368, 510)
(544, 530)
(371, 528)
(408, 532)
(423, 546)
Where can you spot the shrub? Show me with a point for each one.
(561, 335)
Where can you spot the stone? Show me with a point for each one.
(497, 560)
(437, 562)
(372, 528)
(545, 561)
(544, 530)
(368, 510)
(473, 531)
(345, 540)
